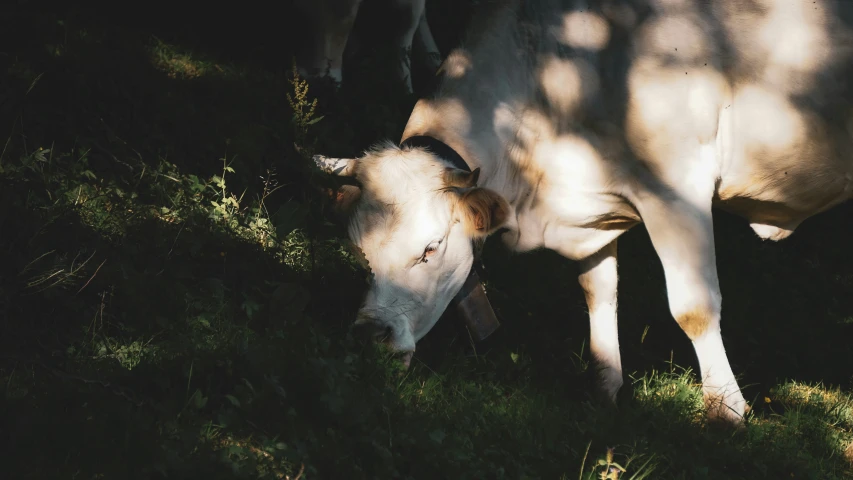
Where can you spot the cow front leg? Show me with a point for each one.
(332, 22)
(425, 42)
(599, 278)
(412, 14)
(681, 229)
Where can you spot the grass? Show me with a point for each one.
(175, 300)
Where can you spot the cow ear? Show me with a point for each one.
(343, 198)
(455, 177)
(483, 211)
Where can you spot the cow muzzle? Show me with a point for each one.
(474, 310)
(370, 331)
(367, 330)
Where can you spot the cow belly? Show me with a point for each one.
(787, 163)
(777, 205)
(577, 243)
(769, 220)
(771, 232)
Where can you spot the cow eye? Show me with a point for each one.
(428, 252)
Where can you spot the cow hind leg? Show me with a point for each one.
(681, 229)
(599, 279)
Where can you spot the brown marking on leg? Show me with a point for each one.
(694, 323)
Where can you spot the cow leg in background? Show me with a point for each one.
(599, 279)
(412, 14)
(681, 228)
(332, 22)
(426, 46)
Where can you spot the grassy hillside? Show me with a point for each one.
(176, 300)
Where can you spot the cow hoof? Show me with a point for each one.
(726, 414)
(610, 384)
(611, 402)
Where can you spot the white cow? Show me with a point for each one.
(332, 22)
(583, 119)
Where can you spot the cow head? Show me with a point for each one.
(413, 217)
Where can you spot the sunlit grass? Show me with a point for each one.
(179, 64)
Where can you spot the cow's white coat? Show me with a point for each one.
(588, 118)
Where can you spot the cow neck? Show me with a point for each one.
(439, 148)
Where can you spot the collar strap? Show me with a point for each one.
(437, 147)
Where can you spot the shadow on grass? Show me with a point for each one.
(787, 306)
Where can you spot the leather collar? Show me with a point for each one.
(437, 147)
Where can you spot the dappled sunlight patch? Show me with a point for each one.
(567, 84)
(835, 406)
(805, 43)
(777, 134)
(111, 207)
(128, 354)
(261, 459)
(608, 467)
(694, 44)
(671, 393)
(822, 418)
(581, 29)
(179, 64)
(457, 63)
(807, 421)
